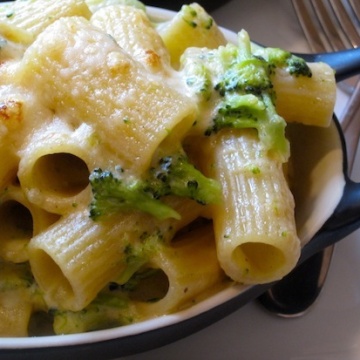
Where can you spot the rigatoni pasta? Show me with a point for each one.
(123, 103)
(191, 26)
(133, 31)
(191, 270)
(146, 174)
(292, 96)
(34, 16)
(77, 257)
(254, 226)
(21, 220)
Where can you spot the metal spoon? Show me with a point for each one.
(295, 293)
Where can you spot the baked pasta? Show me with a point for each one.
(143, 162)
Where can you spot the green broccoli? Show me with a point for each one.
(279, 58)
(242, 90)
(298, 67)
(105, 311)
(199, 78)
(138, 254)
(173, 175)
(113, 306)
(248, 75)
(112, 194)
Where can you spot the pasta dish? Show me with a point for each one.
(145, 164)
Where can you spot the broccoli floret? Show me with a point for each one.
(248, 76)
(105, 311)
(248, 96)
(248, 111)
(247, 73)
(198, 78)
(242, 90)
(138, 253)
(173, 175)
(276, 57)
(112, 194)
(298, 67)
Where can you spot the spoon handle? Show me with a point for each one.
(346, 63)
(292, 296)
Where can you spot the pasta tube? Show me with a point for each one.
(16, 304)
(133, 31)
(192, 26)
(15, 35)
(76, 257)
(20, 221)
(55, 164)
(254, 226)
(64, 259)
(35, 16)
(132, 113)
(309, 101)
(190, 269)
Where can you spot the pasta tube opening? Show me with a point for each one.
(61, 173)
(16, 230)
(16, 221)
(259, 258)
(148, 285)
(53, 279)
(191, 267)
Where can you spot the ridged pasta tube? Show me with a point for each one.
(191, 268)
(254, 226)
(16, 301)
(55, 165)
(191, 26)
(76, 257)
(134, 32)
(20, 221)
(131, 111)
(305, 100)
(35, 16)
